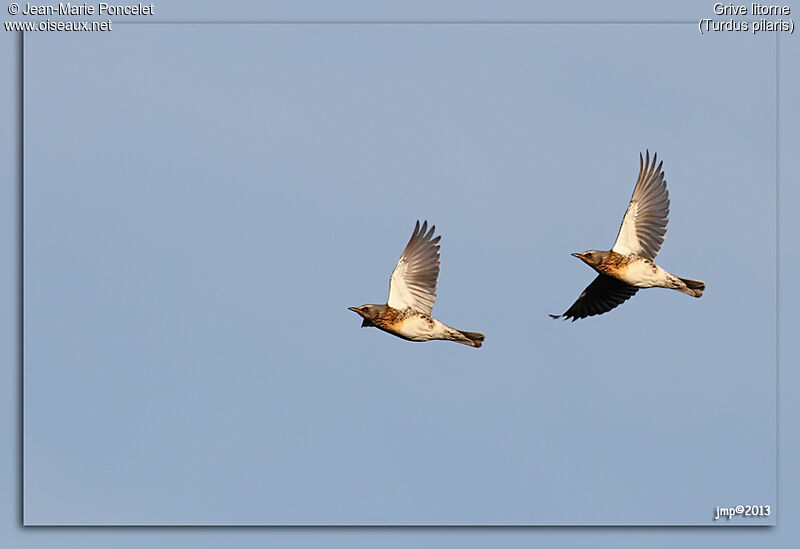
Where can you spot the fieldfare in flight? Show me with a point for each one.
(629, 265)
(412, 292)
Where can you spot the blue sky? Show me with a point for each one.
(535, 410)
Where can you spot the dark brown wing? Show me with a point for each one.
(602, 295)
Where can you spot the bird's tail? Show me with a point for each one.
(691, 287)
(473, 339)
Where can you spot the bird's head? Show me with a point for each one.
(367, 312)
(591, 257)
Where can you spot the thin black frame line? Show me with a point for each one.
(21, 308)
(777, 270)
(406, 22)
(377, 527)
(20, 283)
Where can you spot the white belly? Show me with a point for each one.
(644, 274)
(418, 328)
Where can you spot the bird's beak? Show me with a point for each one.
(576, 254)
(364, 322)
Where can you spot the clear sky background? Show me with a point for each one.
(189, 420)
(215, 196)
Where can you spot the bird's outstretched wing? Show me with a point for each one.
(602, 295)
(645, 222)
(413, 281)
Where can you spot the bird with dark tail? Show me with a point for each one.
(412, 293)
(629, 265)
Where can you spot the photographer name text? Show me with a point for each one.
(102, 8)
